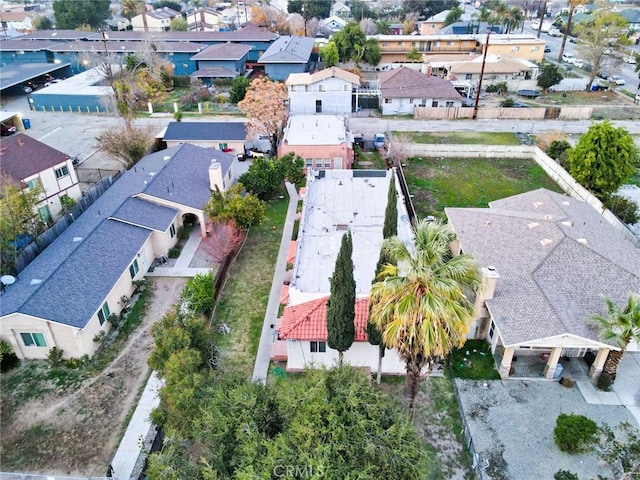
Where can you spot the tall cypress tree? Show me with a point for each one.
(341, 308)
(389, 229)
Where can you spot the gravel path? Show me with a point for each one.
(512, 422)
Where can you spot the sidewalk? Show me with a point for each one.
(261, 367)
(181, 267)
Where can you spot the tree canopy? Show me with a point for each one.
(179, 24)
(329, 54)
(604, 158)
(245, 210)
(309, 9)
(341, 330)
(352, 44)
(238, 89)
(265, 175)
(427, 9)
(264, 106)
(71, 14)
(453, 16)
(549, 76)
(328, 423)
(596, 36)
(421, 299)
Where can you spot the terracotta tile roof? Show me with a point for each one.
(291, 253)
(284, 295)
(308, 321)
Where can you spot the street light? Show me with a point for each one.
(484, 60)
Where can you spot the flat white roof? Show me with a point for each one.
(338, 201)
(84, 83)
(315, 130)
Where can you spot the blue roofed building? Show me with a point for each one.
(225, 60)
(287, 55)
(65, 296)
(226, 136)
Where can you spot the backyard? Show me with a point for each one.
(436, 183)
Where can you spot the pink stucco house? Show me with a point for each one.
(323, 141)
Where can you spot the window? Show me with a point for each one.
(45, 214)
(515, 49)
(535, 49)
(223, 146)
(449, 44)
(400, 44)
(346, 87)
(437, 44)
(308, 162)
(449, 104)
(33, 340)
(434, 103)
(62, 171)
(307, 88)
(387, 101)
(327, 163)
(318, 163)
(322, 88)
(133, 268)
(103, 313)
(491, 330)
(33, 184)
(172, 230)
(469, 76)
(318, 347)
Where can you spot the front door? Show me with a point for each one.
(318, 106)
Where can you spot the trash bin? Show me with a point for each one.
(27, 123)
(558, 373)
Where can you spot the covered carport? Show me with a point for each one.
(12, 118)
(14, 77)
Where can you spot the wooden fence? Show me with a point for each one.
(452, 113)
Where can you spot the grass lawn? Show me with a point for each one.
(370, 161)
(244, 299)
(472, 182)
(457, 138)
(473, 361)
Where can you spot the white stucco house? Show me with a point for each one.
(327, 91)
(403, 89)
(30, 164)
(65, 296)
(336, 202)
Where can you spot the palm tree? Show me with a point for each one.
(131, 8)
(419, 302)
(618, 327)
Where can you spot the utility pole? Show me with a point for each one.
(572, 7)
(543, 12)
(107, 61)
(484, 61)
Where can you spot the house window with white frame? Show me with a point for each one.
(63, 171)
(434, 103)
(449, 104)
(307, 88)
(308, 162)
(327, 163)
(318, 163)
(172, 230)
(468, 76)
(30, 339)
(33, 184)
(387, 101)
(322, 88)
(103, 313)
(318, 347)
(134, 269)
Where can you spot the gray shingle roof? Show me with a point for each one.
(185, 180)
(205, 131)
(223, 51)
(556, 257)
(145, 214)
(81, 266)
(288, 49)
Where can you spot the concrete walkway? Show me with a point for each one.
(181, 267)
(625, 390)
(261, 367)
(137, 434)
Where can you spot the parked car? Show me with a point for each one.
(555, 32)
(577, 62)
(53, 82)
(568, 57)
(618, 80)
(631, 59)
(547, 49)
(604, 74)
(378, 140)
(7, 129)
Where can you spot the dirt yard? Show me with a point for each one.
(76, 431)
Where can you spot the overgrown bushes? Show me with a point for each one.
(197, 296)
(574, 433)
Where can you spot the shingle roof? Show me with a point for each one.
(631, 14)
(185, 179)
(223, 51)
(123, 46)
(81, 266)
(310, 78)
(288, 49)
(404, 82)
(308, 321)
(27, 46)
(207, 131)
(556, 257)
(145, 214)
(22, 156)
